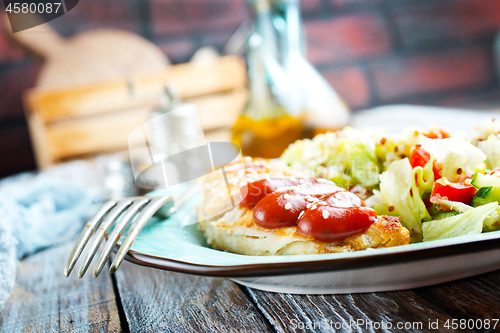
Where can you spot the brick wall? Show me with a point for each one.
(372, 52)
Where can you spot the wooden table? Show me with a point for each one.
(140, 299)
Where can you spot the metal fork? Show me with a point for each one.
(125, 210)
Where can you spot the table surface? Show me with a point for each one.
(141, 299)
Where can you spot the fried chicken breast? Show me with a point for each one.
(236, 231)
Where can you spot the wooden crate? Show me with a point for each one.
(85, 120)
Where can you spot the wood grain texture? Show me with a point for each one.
(286, 312)
(160, 301)
(98, 118)
(110, 131)
(190, 80)
(477, 297)
(44, 300)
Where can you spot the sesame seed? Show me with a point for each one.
(301, 213)
(288, 206)
(286, 196)
(325, 214)
(314, 207)
(285, 189)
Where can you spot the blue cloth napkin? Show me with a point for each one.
(38, 211)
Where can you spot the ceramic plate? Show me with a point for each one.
(163, 244)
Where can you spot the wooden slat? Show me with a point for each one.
(190, 80)
(110, 131)
(104, 133)
(160, 301)
(220, 110)
(44, 300)
(286, 312)
(39, 141)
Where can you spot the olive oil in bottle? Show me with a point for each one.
(267, 127)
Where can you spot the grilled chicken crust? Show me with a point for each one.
(236, 231)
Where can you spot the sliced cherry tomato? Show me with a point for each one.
(318, 189)
(279, 210)
(453, 191)
(253, 192)
(420, 157)
(329, 224)
(343, 199)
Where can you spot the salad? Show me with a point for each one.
(440, 186)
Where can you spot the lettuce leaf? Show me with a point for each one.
(346, 157)
(399, 190)
(492, 222)
(424, 177)
(491, 148)
(455, 154)
(468, 223)
(455, 206)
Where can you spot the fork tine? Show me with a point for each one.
(116, 234)
(84, 236)
(101, 232)
(136, 228)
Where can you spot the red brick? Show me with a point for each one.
(93, 14)
(346, 38)
(432, 73)
(186, 16)
(16, 149)
(459, 20)
(178, 51)
(8, 51)
(351, 84)
(308, 6)
(13, 83)
(344, 3)
(217, 38)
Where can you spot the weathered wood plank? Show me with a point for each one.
(476, 297)
(44, 300)
(337, 313)
(160, 301)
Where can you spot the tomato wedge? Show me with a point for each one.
(420, 157)
(495, 173)
(436, 133)
(453, 191)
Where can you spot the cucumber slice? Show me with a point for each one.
(444, 215)
(481, 180)
(486, 195)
